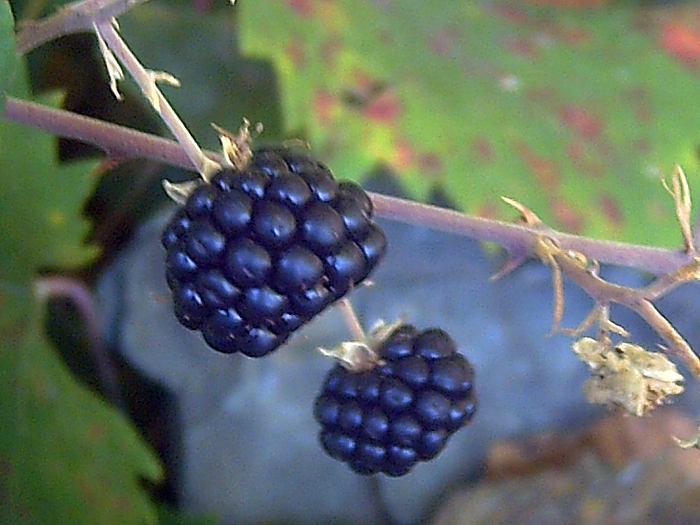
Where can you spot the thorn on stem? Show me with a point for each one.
(528, 216)
(680, 193)
(114, 70)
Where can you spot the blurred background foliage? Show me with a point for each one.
(577, 108)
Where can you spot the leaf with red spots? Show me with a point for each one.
(575, 112)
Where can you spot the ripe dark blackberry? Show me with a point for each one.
(403, 410)
(259, 251)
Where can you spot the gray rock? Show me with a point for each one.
(250, 450)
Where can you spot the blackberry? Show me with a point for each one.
(258, 252)
(401, 411)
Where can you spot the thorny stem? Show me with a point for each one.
(124, 142)
(558, 250)
(638, 300)
(147, 82)
(677, 345)
(672, 280)
(72, 18)
(118, 142)
(518, 238)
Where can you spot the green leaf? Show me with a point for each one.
(40, 205)
(66, 457)
(575, 113)
(167, 516)
(7, 47)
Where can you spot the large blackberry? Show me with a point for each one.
(259, 251)
(401, 411)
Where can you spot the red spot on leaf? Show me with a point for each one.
(330, 50)
(638, 98)
(487, 211)
(429, 162)
(6, 469)
(295, 50)
(386, 38)
(95, 432)
(642, 145)
(567, 215)
(384, 109)
(203, 6)
(581, 121)
(483, 149)
(404, 155)
(584, 160)
(611, 209)
(511, 13)
(522, 47)
(576, 4)
(303, 8)
(323, 103)
(88, 489)
(440, 45)
(542, 95)
(545, 170)
(407, 156)
(364, 82)
(576, 35)
(681, 42)
(443, 41)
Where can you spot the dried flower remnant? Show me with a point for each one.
(627, 375)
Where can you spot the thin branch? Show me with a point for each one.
(677, 346)
(112, 43)
(79, 294)
(657, 261)
(116, 141)
(73, 18)
(666, 283)
(351, 320)
(604, 292)
(126, 143)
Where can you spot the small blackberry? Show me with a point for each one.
(401, 411)
(259, 251)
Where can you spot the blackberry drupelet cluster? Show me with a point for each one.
(258, 252)
(402, 411)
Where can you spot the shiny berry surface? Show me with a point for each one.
(401, 412)
(258, 252)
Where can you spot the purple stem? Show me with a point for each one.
(79, 294)
(122, 142)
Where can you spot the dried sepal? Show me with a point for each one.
(236, 147)
(179, 192)
(361, 355)
(627, 375)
